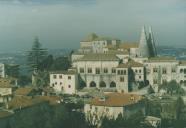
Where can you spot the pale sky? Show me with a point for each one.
(63, 23)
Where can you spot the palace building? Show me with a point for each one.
(112, 65)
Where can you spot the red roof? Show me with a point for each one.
(117, 100)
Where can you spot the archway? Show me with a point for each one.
(102, 84)
(112, 84)
(92, 84)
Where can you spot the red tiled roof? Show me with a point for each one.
(117, 100)
(27, 101)
(23, 91)
(131, 63)
(128, 45)
(4, 114)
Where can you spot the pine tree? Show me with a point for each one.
(36, 54)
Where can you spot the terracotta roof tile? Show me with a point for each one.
(98, 57)
(182, 63)
(123, 65)
(117, 100)
(21, 102)
(131, 63)
(6, 82)
(23, 91)
(4, 114)
(118, 52)
(71, 72)
(128, 45)
(162, 59)
(26, 101)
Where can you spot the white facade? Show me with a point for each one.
(2, 70)
(122, 79)
(96, 72)
(98, 46)
(99, 60)
(5, 94)
(64, 82)
(160, 71)
(181, 70)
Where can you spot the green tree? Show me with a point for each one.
(36, 55)
(61, 63)
(179, 107)
(24, 80)
(47, 63)
(172, 87)
(12, 70)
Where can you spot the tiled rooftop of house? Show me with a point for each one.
(117, 100)
(98, 57)
(94, 37)
(182, 63)
(131, 63)
(118, 52)
(134, 64)
(128, 45)
(23, 91)
(71, 72)
(162, 59)
(4, 114)
(5, 83)
(27, 101)
(124, 65)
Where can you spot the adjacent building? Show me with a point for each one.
(2, 70)
(113, 104)
(64, 81)
(6, 89)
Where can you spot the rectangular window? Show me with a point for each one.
(125, 72)
(140, 71)
(105, 70)
(81, 70)
(69, 77)
(89, 70)
(97, 70)
(54, 76)
(155, 70)
(113, 70)
(60, 76)
(119, 72)
(122, 72)
(164, 71)
(155, 81)
(173, 70)
(121, 79)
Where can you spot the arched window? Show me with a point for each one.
(112, 84)
(102, 84)
(181, 70)
(92, 84)
(181, 81)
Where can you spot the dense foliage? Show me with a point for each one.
(45, 116)
(36, 54)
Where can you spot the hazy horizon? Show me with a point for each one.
(63, 23)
